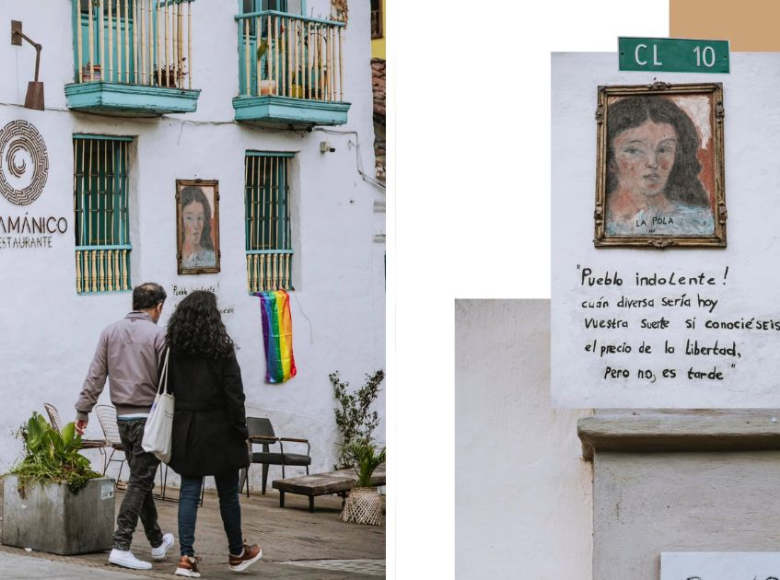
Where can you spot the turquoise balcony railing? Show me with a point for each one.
(132, 57)
(291, 70)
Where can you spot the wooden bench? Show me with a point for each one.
(333, 482)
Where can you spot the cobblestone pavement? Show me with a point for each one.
(370, 567)
(297, 545)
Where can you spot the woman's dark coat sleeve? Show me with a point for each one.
(234, 396)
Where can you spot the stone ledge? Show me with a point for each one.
(649, 431)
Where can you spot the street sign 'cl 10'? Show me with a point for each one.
(673, 55)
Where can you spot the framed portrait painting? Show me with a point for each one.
(660, 166)
(197, 226)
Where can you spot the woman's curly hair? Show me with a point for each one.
(196, 328)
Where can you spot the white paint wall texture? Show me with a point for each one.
(651, 503)
(523, 495)
(48, 332)
(752, 131)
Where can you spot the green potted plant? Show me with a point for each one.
(355, 418)
(364, 504)
(52, 500)
(296, 89)
(266, 85)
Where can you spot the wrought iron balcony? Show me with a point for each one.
(291, 70)
(132, 57)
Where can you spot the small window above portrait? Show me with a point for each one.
(660, 166)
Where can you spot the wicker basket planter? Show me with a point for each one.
(363, 506)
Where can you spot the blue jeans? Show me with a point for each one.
(229, 509)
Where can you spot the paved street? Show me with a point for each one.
(297, 545)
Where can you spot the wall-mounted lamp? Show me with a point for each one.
(34, 98)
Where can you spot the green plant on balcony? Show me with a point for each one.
(266, 84)
(170, 76)
(269, 86)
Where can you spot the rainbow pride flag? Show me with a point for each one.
(277, 335)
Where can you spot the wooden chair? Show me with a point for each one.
(106, 415)
(56, 422)
(262, 432)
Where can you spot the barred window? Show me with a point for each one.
(269, 250)
(376, 19)
(100, 200)
(260, 5)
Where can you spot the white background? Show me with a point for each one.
(468, 215)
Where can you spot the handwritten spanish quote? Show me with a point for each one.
(672, 326)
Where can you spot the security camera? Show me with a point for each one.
(326, 147)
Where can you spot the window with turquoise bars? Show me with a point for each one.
(101, 208)
(132, 41)
(267, 201)
(291, 6)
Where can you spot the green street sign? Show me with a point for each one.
(673, 55)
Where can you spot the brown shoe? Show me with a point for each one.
(188, 566)
(249, 555)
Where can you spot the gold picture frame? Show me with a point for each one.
(660, 179)
(197, 226)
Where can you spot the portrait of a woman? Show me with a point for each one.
(196, 239)
(652, 175)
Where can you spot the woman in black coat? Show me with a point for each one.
(209, 424)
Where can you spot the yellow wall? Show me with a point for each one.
(749, 25)
(378, 44)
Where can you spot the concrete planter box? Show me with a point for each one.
(52, 519)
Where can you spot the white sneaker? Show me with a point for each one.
(126, 559)
(159, 552)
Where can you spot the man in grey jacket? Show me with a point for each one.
(129, 353)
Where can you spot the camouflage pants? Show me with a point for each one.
(138, 502)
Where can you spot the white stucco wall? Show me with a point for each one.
(48, 332)
(523, 494)
(745, 273)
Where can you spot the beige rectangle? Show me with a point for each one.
(749, 25)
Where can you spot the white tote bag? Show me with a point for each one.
(159, 425)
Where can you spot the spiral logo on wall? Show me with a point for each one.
(24, 164)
